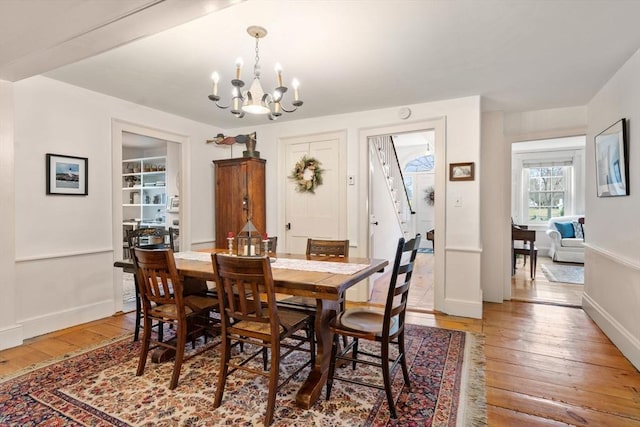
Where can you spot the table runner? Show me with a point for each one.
(289, 263)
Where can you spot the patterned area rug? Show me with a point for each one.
(564, 273)
(99, 388)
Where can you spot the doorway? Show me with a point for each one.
(147, 190)
(548, 182)
(428, 284)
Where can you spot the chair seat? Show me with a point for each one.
(193, 304)
(201, 302)
(365, 320)
(289, 319)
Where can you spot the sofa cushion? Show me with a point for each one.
(565, 229)
(572, 242)
(577, 230)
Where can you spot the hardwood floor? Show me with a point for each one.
(541, 290)
(546, 365)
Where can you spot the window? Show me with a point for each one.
(547, 191)
(547, 179)
(419, 164)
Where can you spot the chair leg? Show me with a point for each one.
(180, 344)
(403, 360)
(144, 351)
(225, 356)
(332, 365)
(265, 358)
(312, 342)
(273, 381)
(160, 331)
(136, 334)
(387, 379)
(354, 352)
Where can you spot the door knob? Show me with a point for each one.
(375, 223)
(288, 226)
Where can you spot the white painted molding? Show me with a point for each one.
(11, 337)
(463, 308)
(468, 249)
(55, 321)
(618, 334)
(617, 258)
(63, 255)
(211, 241)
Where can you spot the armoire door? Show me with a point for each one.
(239, 196)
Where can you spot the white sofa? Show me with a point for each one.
(567, 249)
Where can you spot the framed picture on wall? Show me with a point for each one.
(174, 204)
(461, 171)
(612, 164)
(67, 175)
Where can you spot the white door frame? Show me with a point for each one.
(117, 128)
(439, 126)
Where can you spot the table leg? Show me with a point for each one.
(312, 387)
(532, 264)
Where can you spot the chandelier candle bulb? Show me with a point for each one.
(296, 94)
(216, 78)
(279, 74)
(230, 242)
(238, 68)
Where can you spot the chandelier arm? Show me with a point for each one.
(287, 111)
(222, 106)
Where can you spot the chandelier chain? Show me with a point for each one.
(256, 67)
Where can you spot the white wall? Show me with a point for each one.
(499, 131)
(64, 252)
(10, 332)
(612, 255)
(495, 203)
(461, 293)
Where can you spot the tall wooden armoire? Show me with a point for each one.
(240, 195)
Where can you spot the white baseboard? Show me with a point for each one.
(621, 337)
(11, 337)
(463, 308)
(50, 322)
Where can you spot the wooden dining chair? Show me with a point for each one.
(385, 327)
(319, 250)
(259, 321)
(159, 238)
(163, 301)
(147, 238)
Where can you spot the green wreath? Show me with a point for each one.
(307, 174)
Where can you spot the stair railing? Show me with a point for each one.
(395, 180)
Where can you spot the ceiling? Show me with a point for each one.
(348, 55)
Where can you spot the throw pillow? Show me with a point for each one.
(577, 230)
(565, 229)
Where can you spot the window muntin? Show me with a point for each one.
(547, 191)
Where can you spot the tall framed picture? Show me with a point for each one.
(612, 163)
(67, 175)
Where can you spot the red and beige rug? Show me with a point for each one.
(99, 388)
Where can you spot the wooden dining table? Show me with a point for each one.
(326, 287)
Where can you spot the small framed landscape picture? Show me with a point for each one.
(67, 175)
(461, 171)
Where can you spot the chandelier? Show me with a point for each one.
(255, 100)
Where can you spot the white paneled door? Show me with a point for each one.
(321, 214)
